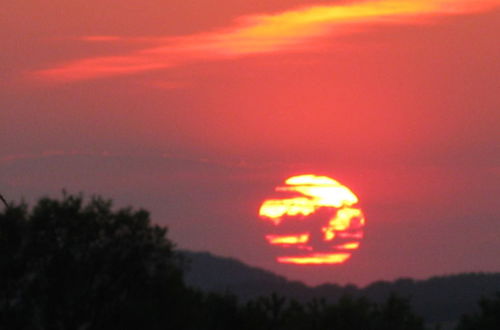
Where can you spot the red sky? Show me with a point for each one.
(198, 110)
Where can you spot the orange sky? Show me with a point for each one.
(197, 111)
(288, 31)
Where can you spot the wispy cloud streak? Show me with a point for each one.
(261, 34)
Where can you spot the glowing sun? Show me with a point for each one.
(314, 219)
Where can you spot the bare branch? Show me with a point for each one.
(3, 200)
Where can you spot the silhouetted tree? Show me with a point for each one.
(276, 313)
(349, 313)
(2, 199)
(70, 265)
(396, 314)
(66, 264)
(487, 319)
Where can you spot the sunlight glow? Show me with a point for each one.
(274, 209)
(316, 259)
(348, 246)
(303, 196)
(288, 239)
(354, 235)
(318, 191)
(343, 220)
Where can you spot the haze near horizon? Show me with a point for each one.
(196, 111)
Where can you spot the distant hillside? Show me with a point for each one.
(218, 274)
(438, 299)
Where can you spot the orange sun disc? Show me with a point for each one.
(315, 219)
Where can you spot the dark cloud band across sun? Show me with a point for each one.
(292, 30)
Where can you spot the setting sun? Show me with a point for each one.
(303, 197)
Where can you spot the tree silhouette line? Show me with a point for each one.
(71, 264)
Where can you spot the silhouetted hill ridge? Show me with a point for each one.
(437, 299)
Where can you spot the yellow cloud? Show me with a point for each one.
(262, 34)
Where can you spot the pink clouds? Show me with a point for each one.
(258, 34)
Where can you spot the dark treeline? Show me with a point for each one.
(440, 299)
(68, 264)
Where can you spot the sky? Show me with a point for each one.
(197, 110)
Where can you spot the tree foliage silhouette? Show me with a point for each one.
(70, 265)
(487, 319)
